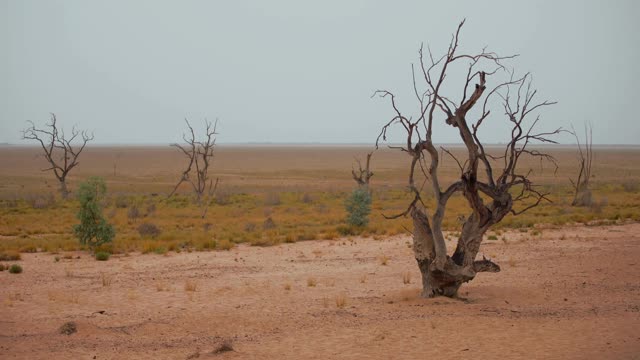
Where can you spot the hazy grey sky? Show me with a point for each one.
(298, 71)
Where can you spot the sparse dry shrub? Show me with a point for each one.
(162, 286)
(269, 224)
(330, 235)
(9, 255)
(272, 199)
(133, 213)
(341, 301)
(312, 282)
(28, 249)
(102, 256)
(106, 279)
(68, 328)
(190, 285)
(222, 197)
(151, 209)
(148, 230)
(306, 198)
(384, 259)
(40, 201)
(250, 227)
(406, 277)
(631, 186)
(121, 202)
(225, 244)
(224, 346)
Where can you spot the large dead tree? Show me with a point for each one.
(59, 150)
(200, 156)
(492, 184)
(582, 195)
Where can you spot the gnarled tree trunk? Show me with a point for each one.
(442, 275)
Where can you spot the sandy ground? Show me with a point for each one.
(571, 293)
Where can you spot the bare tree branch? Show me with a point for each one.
(200, 155)
(442, 275)
(59, 151)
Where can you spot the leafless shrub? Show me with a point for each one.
(133, 213)
(68, 328)
(272, 199)
(222, 197)
(269, 224)
(151, 209)
(250, 227)
(40, 201)
(148, 230)
(121, 202)
(307, 199)
(631, 186)
(225, 346)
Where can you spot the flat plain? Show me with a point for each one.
(308, 287)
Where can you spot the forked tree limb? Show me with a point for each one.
(443, 274)
(59, 150)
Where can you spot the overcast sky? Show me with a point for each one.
(299, 71)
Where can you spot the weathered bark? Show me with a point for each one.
(363, 175)
(445, 281)
(441, 274)
(64, 191)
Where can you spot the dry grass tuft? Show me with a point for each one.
(9, 255)
(224, 346)
(68, 328)
(341, 301)
(384, 259)
(190, 285)
(312, 282)
(106, 279)
(162, 286)
(406, 277)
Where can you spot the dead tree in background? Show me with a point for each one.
(362, 176)
(59, 151)
(200, 155)
(582, 195)
(491, 185)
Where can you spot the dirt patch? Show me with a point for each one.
(572, 293)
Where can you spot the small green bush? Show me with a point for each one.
(358, 206)
(93, 229)
(15, 269)
(492, 237)
(102, 256)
